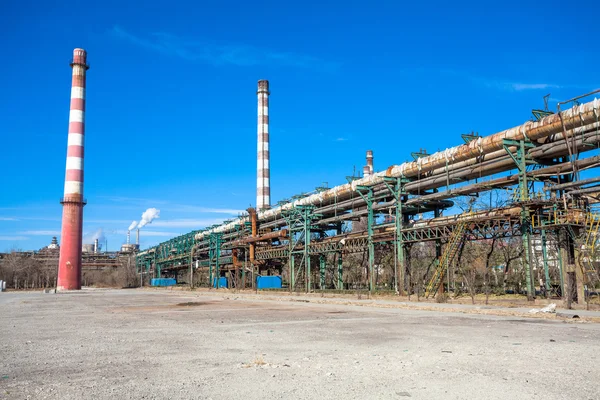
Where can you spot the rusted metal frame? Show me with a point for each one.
(222, 261)
(300, 220)
(366, 193)
(398, 192)
(521, 161)
(534, 130)
(214, 258)
(572, 149)
(272, 253)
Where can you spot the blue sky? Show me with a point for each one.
(171, 106)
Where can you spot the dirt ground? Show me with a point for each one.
(156, 344)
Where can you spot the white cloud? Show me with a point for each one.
(158, 233)
(137, 200)
(221, 54)
(144, 232)
(40, 233)
(8, 219)
(9, 238)
(200, 209)
(108, 221)
(341, 139)
(187, 223)
(533, 86)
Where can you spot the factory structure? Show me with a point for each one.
(544, 167)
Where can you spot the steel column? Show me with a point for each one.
(521, 161)
(367, 194)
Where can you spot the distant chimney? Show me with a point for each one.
(366, 171)
(137, 237)
(96, 246)
(128, 236)
(370, 161)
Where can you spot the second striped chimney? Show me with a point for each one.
(263, 173)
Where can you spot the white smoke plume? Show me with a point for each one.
(132, 226)
(148, 216)
(91, 236)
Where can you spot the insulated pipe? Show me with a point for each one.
(543, 151)
(263, 179)
(571, 184)
(69, 264)
(485, 214)
(500, 161)
(579, 115)
(591, 189)
(575, 117)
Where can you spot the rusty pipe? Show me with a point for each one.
(577, 116)
(254, 222)
(253, 239)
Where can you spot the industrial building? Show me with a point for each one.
(544, 168)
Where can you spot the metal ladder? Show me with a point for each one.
(452, 247)
(592, 226)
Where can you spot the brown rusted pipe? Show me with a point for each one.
(575, 117)
(253, 239)
(254, 223)
(234, 258)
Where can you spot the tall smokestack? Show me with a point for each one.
(96, 246)
(137, 237)
(370, 161)
(69, 264)
(128, 236)
(263, 180)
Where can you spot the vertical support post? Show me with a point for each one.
(244, 269)
(340, 271)
(306, 255)
(367, 194)
(217, 255)
(322, 265)
(399, 264)
(192, 264)
(292, 273)
(579, 276)
(564, 266)
(545, 258)
(521, 163)
(214, 253)
(236, 270)
(438, 254)
(210, 262)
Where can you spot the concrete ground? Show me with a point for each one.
(156, 344)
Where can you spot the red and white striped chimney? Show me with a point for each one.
(263, 172)
(69, 264)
